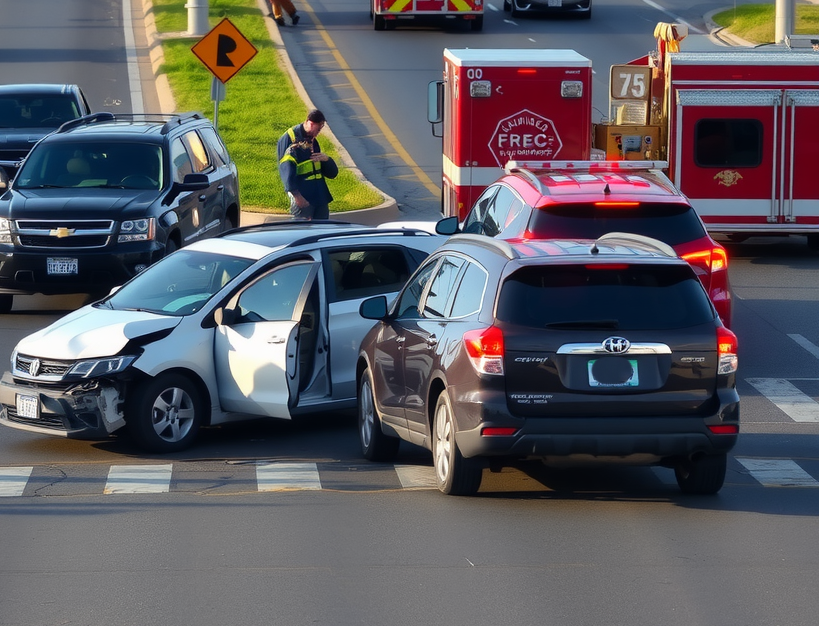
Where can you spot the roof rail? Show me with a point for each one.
(372, 231)
(91, 118)
(283, 224)
(618, 238)
(497, 245)
(585, 166)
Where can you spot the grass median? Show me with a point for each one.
(261, 103)
(755, 23)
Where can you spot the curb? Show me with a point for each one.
(384, 212)
(718, 34)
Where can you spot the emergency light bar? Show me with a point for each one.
(585, 166)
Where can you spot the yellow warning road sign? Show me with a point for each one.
(224, 50)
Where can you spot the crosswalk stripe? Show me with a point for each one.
(806, 344)
(13, 480)
(139, 479)
(414, 477)
(798, 406)
(778, 473)
(287, 476)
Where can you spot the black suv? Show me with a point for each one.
(104, 196)
(570, 352)
(28, 112)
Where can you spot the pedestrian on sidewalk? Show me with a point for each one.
(275, 11)
(304, 169)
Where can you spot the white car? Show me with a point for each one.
(261, 322)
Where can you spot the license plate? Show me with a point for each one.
(613, 373)
(62, 266)
(555, 3)
(28, 407)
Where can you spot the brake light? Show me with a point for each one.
(619, 267)
(724, 429)
(727, 350)
(485, 349)
(527, 70)
(712, 260)
(616, 205)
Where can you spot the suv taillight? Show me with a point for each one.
(727, 349)
(485, 349)
(711, 260)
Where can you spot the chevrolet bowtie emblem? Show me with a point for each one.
(61, 232)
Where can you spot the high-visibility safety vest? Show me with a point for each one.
(308, 169)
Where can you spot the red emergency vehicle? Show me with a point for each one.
(737, 127)
(497, 106)
(388, 13)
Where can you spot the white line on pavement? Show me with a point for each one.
(807, 345)
(797, 405)
(13, 480)
(139, 479)
(415, 477)
(778, 473)
(287, 476)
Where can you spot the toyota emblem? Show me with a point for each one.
(617, 345)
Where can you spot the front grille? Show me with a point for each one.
(67, 243)
(46, 369)
(64, 234)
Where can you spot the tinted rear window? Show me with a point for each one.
(673, 224)
(647, 297)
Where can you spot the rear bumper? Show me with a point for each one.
(613, 439)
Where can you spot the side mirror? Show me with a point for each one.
(194, 182)
(447, 226)
(374, 308)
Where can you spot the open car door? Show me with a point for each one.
(256, 351)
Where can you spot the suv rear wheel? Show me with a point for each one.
(375, 445)
(455, 475)
(702, 474)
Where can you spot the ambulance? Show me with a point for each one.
(737, 127)
(387, 14)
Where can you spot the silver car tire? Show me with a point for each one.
(454, 475)
(375, 445)
(164, 413)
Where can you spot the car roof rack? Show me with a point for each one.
(170, 120)
(371, 231)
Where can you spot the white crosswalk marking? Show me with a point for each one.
(287, 476)
(778, 473)
(798, 406)
(139, 479)
(414, 477)
(13, 480)
(806, 344)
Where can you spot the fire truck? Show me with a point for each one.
(386, 14)
(736, 127)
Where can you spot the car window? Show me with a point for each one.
(474, 220)
(441, 288)
(672, 223)
(497, 217)
(274, 296)
(409, 299)
(470, 291)
(180, 161)
(36, 111)
(358, 273)
(648, 297)
(200, 160)
(215, 144)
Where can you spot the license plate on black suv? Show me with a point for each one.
(61, 265)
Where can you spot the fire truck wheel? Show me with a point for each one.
(477, 24)
(379, 23)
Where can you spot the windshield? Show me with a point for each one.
(35, 111)
(92, 164)
(179, 284)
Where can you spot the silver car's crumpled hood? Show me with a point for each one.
(90, 332)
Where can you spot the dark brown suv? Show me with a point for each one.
(572, 351)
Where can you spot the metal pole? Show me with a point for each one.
(197, 17)
(785, 20)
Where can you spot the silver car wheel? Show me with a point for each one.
(366, 419)
(172, 415)
(443, 443)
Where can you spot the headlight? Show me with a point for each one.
(5, 230)
(137, 230)
(95, 368)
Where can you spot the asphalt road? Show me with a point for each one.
(284, 524)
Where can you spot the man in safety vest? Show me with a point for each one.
(304, 168)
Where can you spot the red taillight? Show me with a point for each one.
(498, 431)
(608, 266)
(485, 349)
(610, 204)
(724, 429)
(711, 260)
(727, 350)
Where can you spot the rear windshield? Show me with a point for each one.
(672, 223)
(638, 297)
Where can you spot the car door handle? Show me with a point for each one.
(432, 341)
(220, 187)
(276, 339)
(202, 198)
(400, 339)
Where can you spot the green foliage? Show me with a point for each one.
(260, 104)
(756, 22)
